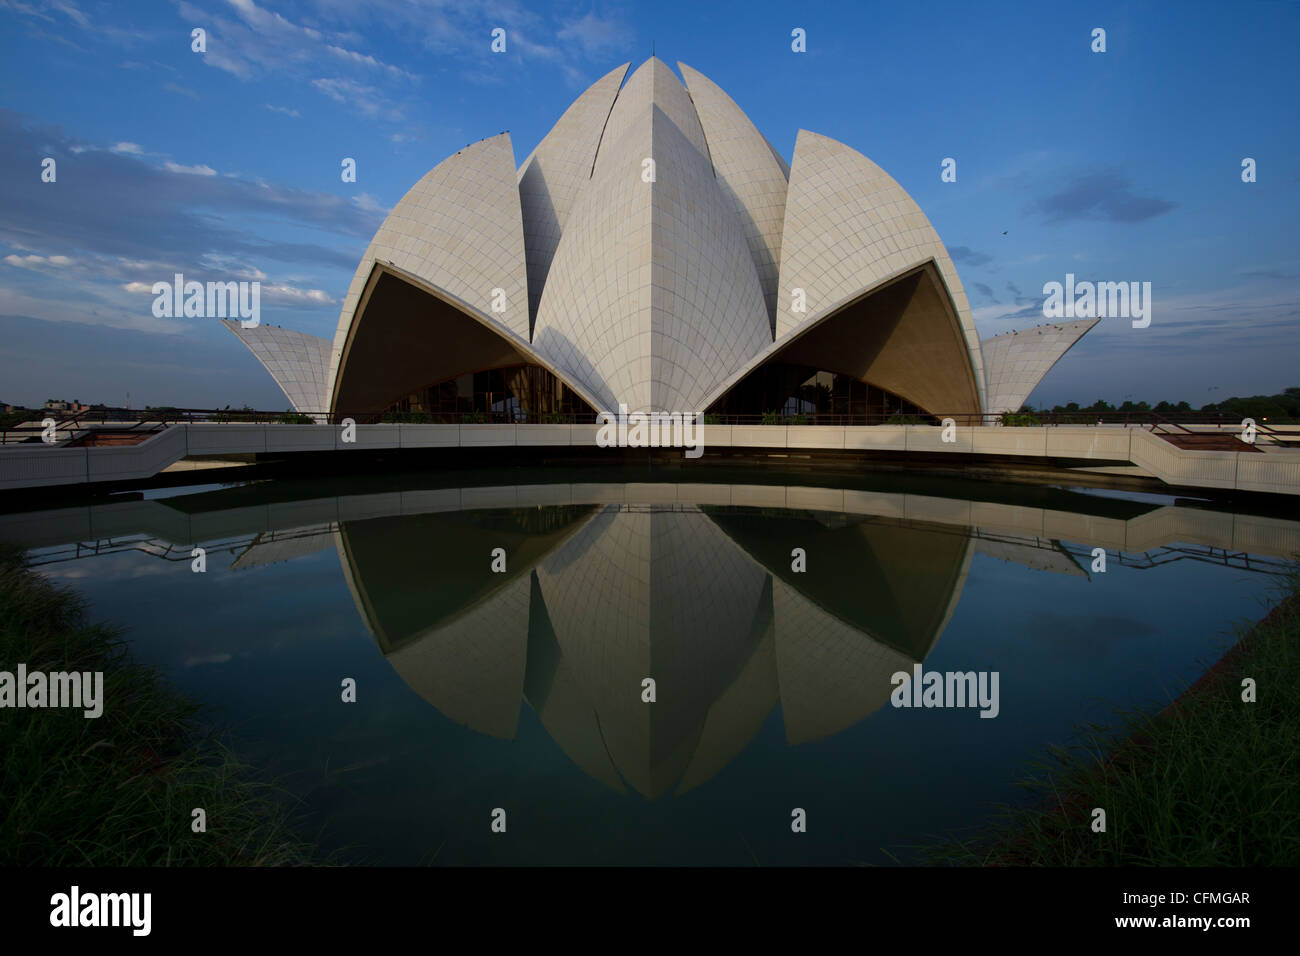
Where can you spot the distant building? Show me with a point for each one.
(59, 405)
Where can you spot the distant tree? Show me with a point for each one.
(1281, 408)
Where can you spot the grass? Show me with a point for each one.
(117, 790)
(1209, 781)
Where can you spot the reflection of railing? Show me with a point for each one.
(166, 551)
(1145, 560)
(1141, 561)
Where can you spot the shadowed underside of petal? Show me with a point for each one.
(848, 227)
(460, 230)
(408, 334)
(902, 336)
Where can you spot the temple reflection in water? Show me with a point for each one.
(596, 598)
(608, 583)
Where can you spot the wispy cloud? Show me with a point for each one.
(36, 262)
(250, 42)
(256, 42)
(969, 256)
(108, 245)
(183, 91)
(368, 203)
(69, 14)
(597, 36)
(1279, 274)
(365, 99)
(189, 170)
(1104, 196)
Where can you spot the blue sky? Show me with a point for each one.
(1115, 166)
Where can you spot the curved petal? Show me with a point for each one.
(556, 172)
(460, 230)
(653, 83)
(298, 362)
(1015, 362)
(752, 176)
(652, 294)
(849, 227)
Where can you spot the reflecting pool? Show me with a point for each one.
(502, 634)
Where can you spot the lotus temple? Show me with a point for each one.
(656, 251)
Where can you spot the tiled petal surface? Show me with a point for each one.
(551, 179)
(459, 229)
(1014, 363)
(298, 362)
(653, 294)
(848, 227)
(750, 173)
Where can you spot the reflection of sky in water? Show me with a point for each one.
(772, 686)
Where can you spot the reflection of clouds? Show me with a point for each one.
(1086, 636)
(153, 569)
(65, 574)
(207, 659)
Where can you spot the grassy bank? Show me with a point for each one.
(1209, 781)
(117, 790)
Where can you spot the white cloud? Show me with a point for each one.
(229, 266)
(97, 311)
(595, 35)
(34, 261)
(364, 59)
(261, 40)
(291, 295)
(189, 170)
(366, 99)
(130, 149)
(182, 90)
(368, 203)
